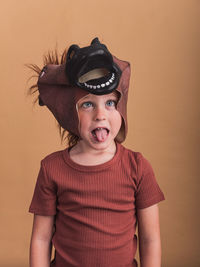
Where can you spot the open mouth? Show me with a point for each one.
(92, 68)
(97, 78)
(100, 134)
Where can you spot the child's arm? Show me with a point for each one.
(149, 236)
(40, 249)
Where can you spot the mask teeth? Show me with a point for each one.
(101, 85)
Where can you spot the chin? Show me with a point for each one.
(102, 145)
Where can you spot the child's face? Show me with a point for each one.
(99, 121)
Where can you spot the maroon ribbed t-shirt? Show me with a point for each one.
(95, 207)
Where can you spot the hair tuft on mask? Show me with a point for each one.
(51, 57)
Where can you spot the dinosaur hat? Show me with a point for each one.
(62, 86)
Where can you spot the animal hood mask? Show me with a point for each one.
(62, 86)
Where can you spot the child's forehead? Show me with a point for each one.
(96, 97)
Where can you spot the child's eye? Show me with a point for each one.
(111, 103)
(86, 104)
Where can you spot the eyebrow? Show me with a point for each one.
(86, 97)
(114, 94)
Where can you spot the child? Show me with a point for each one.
(90, 196)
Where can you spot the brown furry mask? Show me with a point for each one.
(90, 69)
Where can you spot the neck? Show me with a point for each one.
(89, 156)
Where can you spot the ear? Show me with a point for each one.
(71, 51)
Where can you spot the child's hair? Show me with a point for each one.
(52, 57)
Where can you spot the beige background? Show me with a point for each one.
(161, 40)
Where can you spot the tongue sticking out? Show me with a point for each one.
(101, 134)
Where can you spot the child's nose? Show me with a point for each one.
(100, 114)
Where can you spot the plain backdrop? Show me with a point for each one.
(161, 40)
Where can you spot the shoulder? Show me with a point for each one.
(129, 152)
(135, 160)
(131, 155)
(53, 166)
(147, 191)
(53, 158)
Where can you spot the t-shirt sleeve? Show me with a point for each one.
(44, 197)
(148, 191)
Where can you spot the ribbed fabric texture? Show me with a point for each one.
(95, 207)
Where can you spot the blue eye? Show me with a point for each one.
(111, 103)
(86, 105)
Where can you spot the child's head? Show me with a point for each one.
(93, 77)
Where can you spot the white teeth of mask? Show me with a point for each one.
(101, 85)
